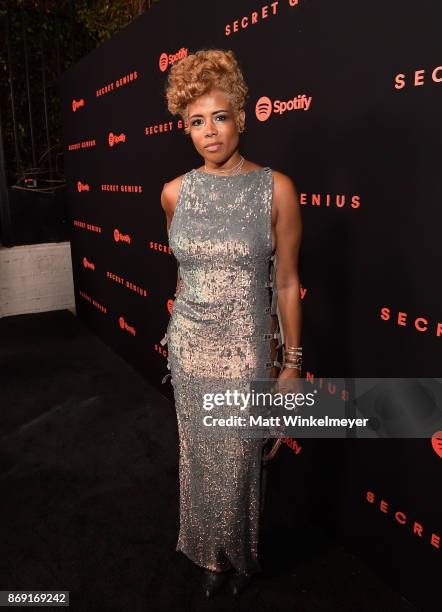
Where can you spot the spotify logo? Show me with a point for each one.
(167, 60)
(164, 62)
(263, 108)
(436, 441)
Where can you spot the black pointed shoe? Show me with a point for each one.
(239, 582)
(212, 582)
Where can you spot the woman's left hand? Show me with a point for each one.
(290, 380)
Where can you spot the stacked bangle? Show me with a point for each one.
(292, 357)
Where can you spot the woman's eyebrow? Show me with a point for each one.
(221, 110)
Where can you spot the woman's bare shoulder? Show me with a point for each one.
(283, 182)
(169, 194)
(285, 193)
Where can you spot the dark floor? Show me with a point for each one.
(89, 492)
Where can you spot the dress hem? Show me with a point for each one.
(203, 566)
(232, 567)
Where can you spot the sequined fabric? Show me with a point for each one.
(220, 333)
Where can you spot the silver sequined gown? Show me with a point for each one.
(220, 330)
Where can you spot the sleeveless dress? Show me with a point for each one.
(221, 332)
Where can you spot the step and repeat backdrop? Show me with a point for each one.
(344, 98)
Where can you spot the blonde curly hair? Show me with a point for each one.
(199, 72)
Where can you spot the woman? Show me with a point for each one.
(227, 220)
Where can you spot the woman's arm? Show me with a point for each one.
(288, 231)
(169, 196)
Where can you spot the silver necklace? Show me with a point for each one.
(234, 170)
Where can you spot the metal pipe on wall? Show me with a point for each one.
(12, 93)
(6, 235)
(45, 103)
(28, 85)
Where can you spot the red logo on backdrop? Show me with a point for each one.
(327, 200)
(421, 324)
(417, 78)
(93, 301)
(260, 14)
(293, 444)
(88, 226)
(436, 442)
(114, 139)
(126, 326)
(159, 349)
(123, 188)
(113, 85)
(85, 144)
(81, 187)
(167, 60)
(77, 104)
(401, 517)
(127, 283)
(164, 62)
(88, 264)
(161, 247)
(263, 108)
(166, 126)
(118, 237)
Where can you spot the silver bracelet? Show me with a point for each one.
(298, 360)
(291, 366)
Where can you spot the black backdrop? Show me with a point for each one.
(365, 157)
